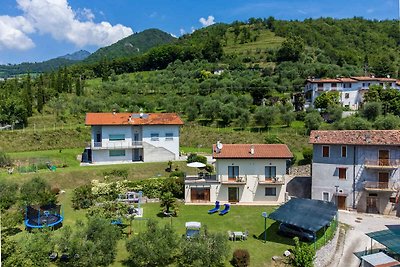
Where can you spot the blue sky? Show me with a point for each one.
(37, 30)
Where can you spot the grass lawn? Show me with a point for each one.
(240, 218)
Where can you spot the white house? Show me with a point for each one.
(357, 169)
(351, 90)
(245, 173)
(127, 137)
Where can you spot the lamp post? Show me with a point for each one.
(265, 215)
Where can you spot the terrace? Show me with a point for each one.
(382, 164)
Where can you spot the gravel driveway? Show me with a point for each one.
(355, 239)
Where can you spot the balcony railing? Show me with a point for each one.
(271, 180)
(241, 179)
(117, 145)
(379, 186)
(382, 163)
(201, 176)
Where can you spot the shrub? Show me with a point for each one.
(272, 139)
(8, 194)
(121, 173)
(209, 168)
(303, 254)
(307, 155)
(4, 159)
(177, 174)
(300, 115)
(196, 158)
(241, 258)
(82, 197)
(387, 122)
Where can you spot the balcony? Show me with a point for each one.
(279, 180)
(382, 164)
(379, 186)
(238, 180)
(116, 145)
(201, 177)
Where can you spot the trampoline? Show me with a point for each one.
(44, 216)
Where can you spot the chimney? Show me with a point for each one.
(218, 147)
(252, 149)
(130, 119)
(114, 111)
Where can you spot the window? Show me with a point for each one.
(169, 137)
(233, 171)
(392, 199)
(325, 196)
(270, 191)
(116, 137)
(346, 95)
(333, 85)
(325, 151)
(154, 137)
(117, 153)
(320, 85)
(344, 151)
(342, 173)
(347, 85)
(270, 171)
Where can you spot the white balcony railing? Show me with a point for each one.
(271, 180)
(382, 163)
(240, 179)
(117, 145)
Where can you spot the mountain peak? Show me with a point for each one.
(78, 55)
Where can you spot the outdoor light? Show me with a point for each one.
(265, 215)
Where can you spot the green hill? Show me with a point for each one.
(135, 44)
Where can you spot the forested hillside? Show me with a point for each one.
(242, 74)
(135, 44)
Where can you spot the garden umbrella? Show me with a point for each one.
(196, 164)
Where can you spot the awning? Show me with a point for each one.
(309, 214)
(380, 259)
(388, 238)
(193, 225)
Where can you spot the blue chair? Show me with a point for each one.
(225, 210)
(214, 210)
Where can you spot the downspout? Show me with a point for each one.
(354, 177)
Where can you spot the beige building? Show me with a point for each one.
(245, 173)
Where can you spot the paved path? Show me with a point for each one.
(356, 240)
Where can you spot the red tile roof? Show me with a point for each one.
(356, 137)
(123, 119)
(353, 79)
(261, 151)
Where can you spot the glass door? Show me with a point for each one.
(233, 194)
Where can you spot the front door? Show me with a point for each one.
(136, 154)
(383, 157)
(233, 194)
(383, 180)
(372, 206)
(341, 202)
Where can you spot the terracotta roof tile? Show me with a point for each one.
(356, 137)
(261, 151)
(123, 119)
(353, 79)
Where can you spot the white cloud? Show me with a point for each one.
(182, 31)
(63, 24)
(13, 33)
(207, 22)
(85, 14)
(192, 29)
(56, 17)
